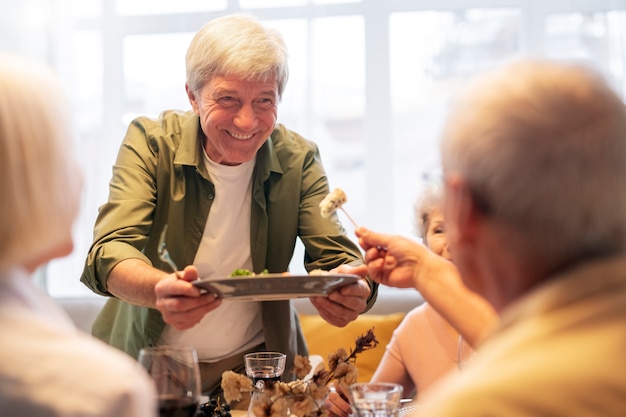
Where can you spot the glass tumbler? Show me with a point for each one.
(376, 399)
(264, 366)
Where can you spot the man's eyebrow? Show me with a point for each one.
(229, 92)
(222, 91)
(270, 92)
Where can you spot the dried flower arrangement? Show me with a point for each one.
(300, 397)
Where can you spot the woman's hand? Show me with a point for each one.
(337, 401)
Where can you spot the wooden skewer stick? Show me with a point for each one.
(356, 226)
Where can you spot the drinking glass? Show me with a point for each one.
(376, 399)
(264, 366)
(175, 372)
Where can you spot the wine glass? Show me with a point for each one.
(175, 372)
(264, 366)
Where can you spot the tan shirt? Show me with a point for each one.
(422, 350)
(559, 351)
(50, 368)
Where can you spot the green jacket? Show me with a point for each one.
(160, 179)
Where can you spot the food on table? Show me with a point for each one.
(333, 201)
(214, 408)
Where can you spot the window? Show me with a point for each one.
(370, 80)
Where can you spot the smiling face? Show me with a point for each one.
(436, 235)
(236, 115)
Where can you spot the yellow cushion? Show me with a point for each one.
(324, 339)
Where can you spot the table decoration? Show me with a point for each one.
(304, 396)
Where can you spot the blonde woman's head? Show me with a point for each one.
(40, 181)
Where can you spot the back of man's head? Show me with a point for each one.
(542, 145)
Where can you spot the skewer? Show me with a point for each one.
(335, 200)
(356, 226)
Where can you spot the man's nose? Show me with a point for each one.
(246, 118)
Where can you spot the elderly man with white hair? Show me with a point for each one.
(534, 160)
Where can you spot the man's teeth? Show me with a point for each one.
(241, 137)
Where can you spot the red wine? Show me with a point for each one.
(268, 380)
(266, 374)
(177, 407)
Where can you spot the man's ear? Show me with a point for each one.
(192, 98)
(463, 214)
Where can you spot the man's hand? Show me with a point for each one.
(182, 304)
(397, 261)
(346, 303)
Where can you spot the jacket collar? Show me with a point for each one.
(190, 149)
(267, 160)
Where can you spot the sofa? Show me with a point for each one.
(322, 338)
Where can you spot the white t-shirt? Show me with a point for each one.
(49, 368)
(225, 246)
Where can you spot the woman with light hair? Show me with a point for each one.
(47, 366)
(425, 346)
(39, 176)
(429, 206)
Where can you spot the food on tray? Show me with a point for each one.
(273, 287)
(241, 272)
(333, 201)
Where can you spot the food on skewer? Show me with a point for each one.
(333, 201)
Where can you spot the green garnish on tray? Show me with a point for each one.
(245, 272)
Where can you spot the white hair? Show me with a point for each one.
(430, 200)
(40, 182)
(239, 45)
(542, 145)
